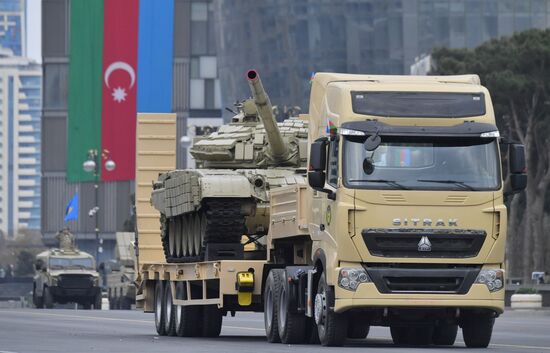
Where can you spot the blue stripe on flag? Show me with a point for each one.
(155, 47)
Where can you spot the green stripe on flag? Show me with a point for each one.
(85, 80)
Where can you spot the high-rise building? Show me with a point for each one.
(20, 105)
(12, 26)
(288, 40)
(195, 100)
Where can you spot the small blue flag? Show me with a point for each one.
(71, 212)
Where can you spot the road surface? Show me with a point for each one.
(33, 330)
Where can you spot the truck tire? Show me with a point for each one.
(332, 327)
(211, 321)
(416, 336)
(159, 308)
(169, 311)
(445, 334)
(477, 331)
(37, 300)
(96, 300)
(291, 326)
(189, 317)
(48, 298)
(271, 299)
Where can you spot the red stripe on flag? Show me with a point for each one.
(118, 128)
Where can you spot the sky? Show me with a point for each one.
(34, 29)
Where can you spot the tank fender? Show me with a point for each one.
(230, 185)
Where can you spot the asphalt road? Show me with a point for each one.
(32, 330)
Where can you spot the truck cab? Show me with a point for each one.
(408, 221)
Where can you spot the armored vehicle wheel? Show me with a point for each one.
(212, 321)
(47, 297)
(159, 308)
(37, 300)
(332, 327)
(272, 292)
(169, 311)
(184, 220)
(172, 237)
(445, 335)
(197, 232)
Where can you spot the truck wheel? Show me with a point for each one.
(332, 327)
(211, 321)
(292, 326)
(271, 299)
(159, 308)
(36, 299)
(48, 298)
(169, 311)
(188, 318)
(445, 334)
(477, 331)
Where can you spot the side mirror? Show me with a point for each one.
(316, 179)
(516, 154)
(38, 265)
(318, 155)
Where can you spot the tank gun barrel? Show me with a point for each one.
(263, 104)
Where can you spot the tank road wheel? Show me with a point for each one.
(292, 326)
(189, 317)
(172, 237)
(169, 311)
(178, 236)
(212, 321)
(159, 308)
(445, 334)
(197, 243)
(184, 235)
(272, 292)
(191, 235)
(332, 327)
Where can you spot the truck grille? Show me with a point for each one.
(405, 242)
(423, 278)
(75, 281)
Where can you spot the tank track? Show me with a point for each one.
(221, 223)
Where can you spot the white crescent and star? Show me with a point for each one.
(119, 94)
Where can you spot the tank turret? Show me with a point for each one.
(277, 147)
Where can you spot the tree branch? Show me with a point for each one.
(516, 122)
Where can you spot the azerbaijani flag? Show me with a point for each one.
(120, 63)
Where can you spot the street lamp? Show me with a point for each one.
(92, 165)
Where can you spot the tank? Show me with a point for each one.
(205, 212)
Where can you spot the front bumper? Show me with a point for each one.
(368, 296)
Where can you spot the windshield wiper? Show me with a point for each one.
(389, 182)
(456, 182)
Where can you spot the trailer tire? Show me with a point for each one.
(159, 308)
(189, 317)
(332, 327)
(477, 331)
(445, 335)
(291, 326)
(271, 300)
(212, 321)
(169, 311)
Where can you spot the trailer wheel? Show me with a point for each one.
(332, 327)
(271, 299)
(445, 335)
(291, 326)
(477, 331)
(212, 321)
(169, 311)
(159, 308)
(188, 318)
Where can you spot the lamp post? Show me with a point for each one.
(92, 165)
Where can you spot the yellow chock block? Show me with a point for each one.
(244, 287)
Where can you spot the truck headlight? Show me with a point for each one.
(350, 278)
(493, 279)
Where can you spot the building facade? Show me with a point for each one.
(12, 26)
(20, 109)
(194, 64)
(288, 40)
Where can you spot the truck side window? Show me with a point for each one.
(332, 165)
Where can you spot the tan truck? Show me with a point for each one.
(402, 222)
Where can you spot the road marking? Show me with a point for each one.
(518, 346)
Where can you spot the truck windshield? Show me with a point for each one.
(419, 104)
(422, 164)
(61, 262)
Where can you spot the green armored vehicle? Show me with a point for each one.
(206, 211)
(66, 274)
